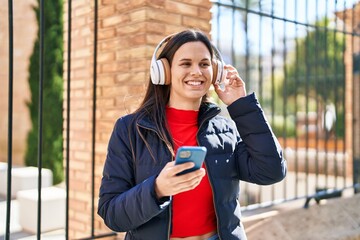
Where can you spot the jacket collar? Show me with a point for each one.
(207, 110)
(146, 122)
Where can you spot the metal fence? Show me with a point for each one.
(292, 54)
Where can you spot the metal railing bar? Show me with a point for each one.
(296, 99)
(272, 78)
(218, 24)
(307, 69)
(247, 80)
(68, 74)
(326, 73)
(343, 97)
(40, 114)
(260, 73)
(94, 120)
(316, 79)
(327, 193)
(260, 67)
(284, 110)
(10, 118)
(247, 50)
(281, 18)
(233, 58)
(335, 98)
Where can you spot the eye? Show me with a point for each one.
(185, 64)
(204, 64)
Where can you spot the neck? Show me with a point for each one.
(185, 105)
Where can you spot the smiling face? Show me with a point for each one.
(191, 75)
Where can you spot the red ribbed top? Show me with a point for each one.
(193, 211)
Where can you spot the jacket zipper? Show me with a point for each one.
(169, 222)
(170, 205)
(210, 180)
(216, 215)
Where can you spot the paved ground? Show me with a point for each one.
(333, 219)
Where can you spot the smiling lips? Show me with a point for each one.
(194, 83)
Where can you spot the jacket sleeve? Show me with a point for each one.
(259, 154)
(123, 204)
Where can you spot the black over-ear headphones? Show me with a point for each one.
(160, 68)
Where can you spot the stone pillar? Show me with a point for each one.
(354, 42)
(351, 18)
(128, 31)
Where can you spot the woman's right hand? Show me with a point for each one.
(168, 183)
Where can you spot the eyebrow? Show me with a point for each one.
(188, 59)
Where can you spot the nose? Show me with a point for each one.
(196, 71)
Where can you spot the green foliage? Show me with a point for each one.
(316, 73)
(52, 154)
(283, 126)
(317, 68)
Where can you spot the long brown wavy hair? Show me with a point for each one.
(157, 96)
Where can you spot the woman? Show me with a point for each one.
(141, 193)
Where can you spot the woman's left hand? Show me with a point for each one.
(232, 87)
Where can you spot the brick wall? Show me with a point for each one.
(128, 32)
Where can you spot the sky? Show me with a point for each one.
(302, 11)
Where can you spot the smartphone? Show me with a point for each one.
(193, 154)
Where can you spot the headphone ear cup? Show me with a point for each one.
(160, 69)
(167, 71)
(218, 71)
(160, 72)
(215, 71)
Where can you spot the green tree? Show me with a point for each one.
(316, 71)
(318, 65)
(52, 154)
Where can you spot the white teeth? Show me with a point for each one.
(194, 83)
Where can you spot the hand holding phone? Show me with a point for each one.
(195, 154)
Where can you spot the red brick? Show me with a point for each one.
(198, 2)
(138, 15)
(132, 28)
(80, 11)
(105, 80)
(162, 16)
(193, 22)
(105, 57)
(106, 11)
(115, 20)
(181, 8)
(106, 33)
